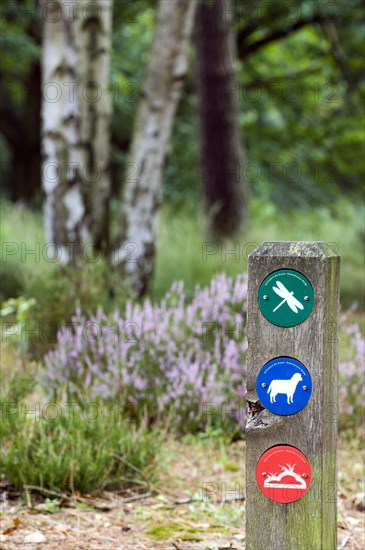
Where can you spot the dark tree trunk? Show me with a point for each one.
(27, 154)
(21, 129)
(222, 167)
(25, 174)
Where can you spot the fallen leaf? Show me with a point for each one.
(16, 523)
(9, 530)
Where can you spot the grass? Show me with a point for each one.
(170, 519)
(67, 447)
(185, 254)
(72, 453)
(21, 232)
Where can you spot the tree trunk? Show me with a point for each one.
(25, 173)
(76, 114)
(161, 93)
(222, 166)
(20, 125)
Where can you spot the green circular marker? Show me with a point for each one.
(286, 298)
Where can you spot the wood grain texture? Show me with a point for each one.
(309, 523)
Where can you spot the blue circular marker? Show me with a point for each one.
(284, 386)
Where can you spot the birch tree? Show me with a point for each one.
(76, 112)
(141, 196)
(224, 188)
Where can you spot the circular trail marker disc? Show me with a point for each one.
(284, 386)
(283, 474)
(286, 298)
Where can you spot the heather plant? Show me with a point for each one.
(177, 360)
(183, 362)
(68, 446)
(80, 449)
(352, 375)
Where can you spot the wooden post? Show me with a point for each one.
(310, 522)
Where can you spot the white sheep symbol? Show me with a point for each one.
(284, 386)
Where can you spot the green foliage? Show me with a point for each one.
(299, 100)
(14, 389)
(51, 505)
(20, 39)
(20, 307)
(57, 290)
(58, 294)
(300, 97)
(22, 242)
(73, 453)
(182, 176)
(133, 27)
(181, 245)
(68, 446)
(302, 122)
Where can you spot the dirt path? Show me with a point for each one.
(199, 505)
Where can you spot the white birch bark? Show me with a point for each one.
(76, 112)
(161, 93)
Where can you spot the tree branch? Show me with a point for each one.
(245, 49)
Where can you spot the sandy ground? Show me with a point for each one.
(178, 515)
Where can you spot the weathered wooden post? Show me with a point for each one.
(293, 297)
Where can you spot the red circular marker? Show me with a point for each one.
(283, 474)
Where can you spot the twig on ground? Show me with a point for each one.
(57, 494)
(137, 497)
(344, 542)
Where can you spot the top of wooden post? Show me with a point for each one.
(295, 249)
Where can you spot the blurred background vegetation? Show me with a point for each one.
(299, 90)
(297, 101)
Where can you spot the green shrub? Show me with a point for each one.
(182, 254)
(12, 283)
(18, 310)
(21, 231)
(60, 293)
(15, 387)
(79, 449)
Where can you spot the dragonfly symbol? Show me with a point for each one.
(287, 296)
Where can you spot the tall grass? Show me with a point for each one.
(185, 253)
(21, 232)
